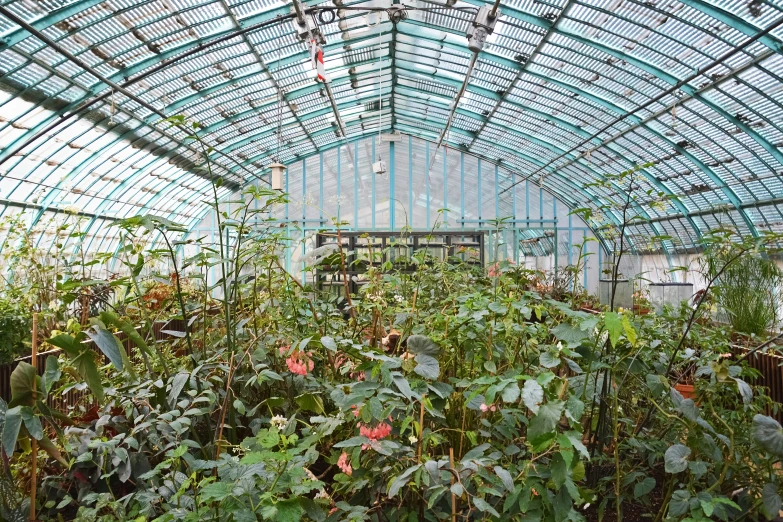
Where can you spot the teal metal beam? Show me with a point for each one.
(290, 96)
(246, 140)
(735, 22)
(522, 68)
(515, 152)
(439, 36)
(260, 60)
(49, 19)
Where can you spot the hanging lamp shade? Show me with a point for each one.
(278, 171)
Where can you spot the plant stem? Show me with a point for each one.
(180, 299)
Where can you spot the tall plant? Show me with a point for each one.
(749, 292)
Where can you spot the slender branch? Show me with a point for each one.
(179, 292)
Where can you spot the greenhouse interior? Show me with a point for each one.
(391, 260)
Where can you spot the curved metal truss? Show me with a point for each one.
(564, 92)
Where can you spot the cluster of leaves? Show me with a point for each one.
(492, 397)
(439, 391)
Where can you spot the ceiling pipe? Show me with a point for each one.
(483, 25)
(304, 28)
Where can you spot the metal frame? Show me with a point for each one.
(540, 116)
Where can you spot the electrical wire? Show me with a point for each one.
(279, 113)
(380, 86)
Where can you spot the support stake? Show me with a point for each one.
(453, 496)
(33, 442)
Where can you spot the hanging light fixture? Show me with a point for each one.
(278, 171)
(277, 168)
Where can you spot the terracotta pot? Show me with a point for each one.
(686, 390)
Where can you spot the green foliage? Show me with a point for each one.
(749, 291)
(439, 386)
(14, 331)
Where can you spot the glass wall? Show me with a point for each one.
(428, 190)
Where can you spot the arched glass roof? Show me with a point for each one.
(563, 92)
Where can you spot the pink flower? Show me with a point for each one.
(284, 349)
(484, 408)
(381, 431)
(344, 464)
(493, 408)
(494, 270)
(299, 363)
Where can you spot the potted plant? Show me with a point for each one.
(641, 303)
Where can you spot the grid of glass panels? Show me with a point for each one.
(564, 91)
(458, 193)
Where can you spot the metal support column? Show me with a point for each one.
(392, 197)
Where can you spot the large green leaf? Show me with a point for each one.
(13, 422)
(549, 359)
(575, 409)
(643, 487)
(676, 458)
(505, 477)
(25, 382)
(568, 333)
(545, 421)
(483, 505)
(679, 503)
(421, 344)
(768, 433)
(52, 373)
(66, 343)
(689, 409)
(403, 385)
(532, 395)
(427, 366)
(657, 384)
(310, 402)
(32, 423)
(401, 480)
(329, 343)
(630, 331)
(510, 393)
(108, 344)
(48, 446)
(86, 367)
(614, 325)
(772, 502)
(177, 384)
(289, 510)
(745, 391)
(216, 491)
(351, 443)
(110, 318)
(559, 469)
